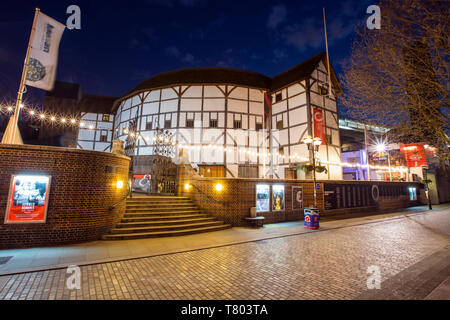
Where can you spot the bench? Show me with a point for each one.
(256, 222)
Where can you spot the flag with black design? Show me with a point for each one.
(43, 57)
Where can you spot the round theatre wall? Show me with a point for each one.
(84, 199)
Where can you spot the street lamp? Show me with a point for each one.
(313, 144)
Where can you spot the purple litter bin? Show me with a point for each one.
(311, 218)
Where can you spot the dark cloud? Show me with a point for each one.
(277, 16)
(307, 35)
(186, 58)
(173, 51)
(279, 54)
(143, 38)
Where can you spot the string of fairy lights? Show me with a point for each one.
(35, 114)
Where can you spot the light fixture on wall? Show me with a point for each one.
(187, 186)
(119, 184)
(219, 187)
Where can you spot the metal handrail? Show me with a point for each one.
(128, 194)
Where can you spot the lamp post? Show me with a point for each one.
(313, 144)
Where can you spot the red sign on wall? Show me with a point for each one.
(28, 199)
(319, 125)
(414, 154)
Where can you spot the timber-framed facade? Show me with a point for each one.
(219, 115)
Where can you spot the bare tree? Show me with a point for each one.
(399, 75)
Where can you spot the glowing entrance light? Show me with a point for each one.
(219, 187)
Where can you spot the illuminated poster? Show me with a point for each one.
(412, 194)
(28, 199)
(297, 198)
(277, 197)
(262, 198)
(141, 182)
(414, 154)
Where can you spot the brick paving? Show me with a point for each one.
(320, 265)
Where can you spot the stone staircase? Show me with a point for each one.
(162, 216)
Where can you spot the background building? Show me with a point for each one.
(93, 113)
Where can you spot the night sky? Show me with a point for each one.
(122, 43)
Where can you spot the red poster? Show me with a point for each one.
(28, 199)
(319, 125)
(414, 154)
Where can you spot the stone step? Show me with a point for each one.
(157, 198)
(158, 205)
(160, 214)
(161, 209)
(147, 199)
(166, 227)
(157, 202)
(163, 217)
(172, 227)
(172, 233)
(167, 222)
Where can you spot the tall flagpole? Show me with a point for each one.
(328, 56)
(15, 128)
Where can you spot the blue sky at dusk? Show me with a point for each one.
(122, 43)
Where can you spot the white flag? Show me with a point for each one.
(43, 57)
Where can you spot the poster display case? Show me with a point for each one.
(297, 197)
(278, 197)
(262, 198)
(28, 199)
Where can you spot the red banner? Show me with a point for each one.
(319, 125)
(414, 154)
(28, 199)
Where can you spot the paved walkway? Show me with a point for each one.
(38, 259)
(411, 251)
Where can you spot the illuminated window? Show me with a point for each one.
(104, 136)
(323, 91)
(213, 123)
(280, 124)
(190, 123)
(105, 118)
(149, 125)
(278, 97)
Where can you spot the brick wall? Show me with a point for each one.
(83, 190)
(233, 203)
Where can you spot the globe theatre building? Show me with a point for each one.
(229, 122)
